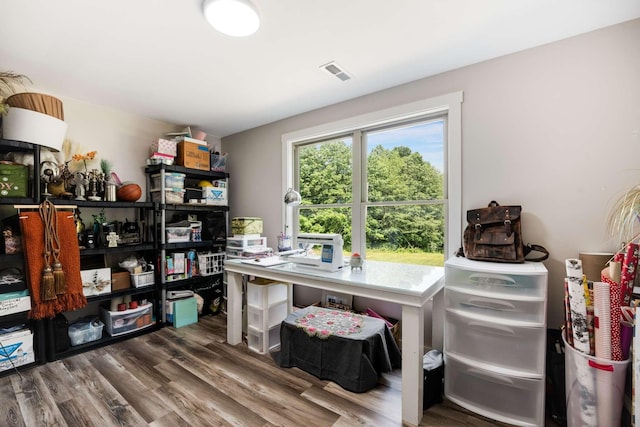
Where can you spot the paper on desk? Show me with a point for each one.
(265, 262)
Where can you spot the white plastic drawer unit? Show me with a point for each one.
(503, 279)
(495, 305)
(513, 400)
(501, 344)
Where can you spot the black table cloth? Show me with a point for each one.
(352, 357)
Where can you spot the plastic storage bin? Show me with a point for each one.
(275, 292)
(171, 196)
(594, 389)
(211, 263)
(142, 279)
(174, 180)
(511, 400)
(500, 344)
(85, 331)
(178, 234)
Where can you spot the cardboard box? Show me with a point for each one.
(164, 146)
(96, 281)
(120, 281)
(17, 347)
(246, 225)
(194, 156)
(215, 195)
(14, 302)
(122, 322)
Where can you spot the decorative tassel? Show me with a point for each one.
(48, 286)
(58, 276)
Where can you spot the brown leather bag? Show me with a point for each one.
(494, 234)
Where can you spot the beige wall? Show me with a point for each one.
(554, 128)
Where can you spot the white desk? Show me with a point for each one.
(411, 286)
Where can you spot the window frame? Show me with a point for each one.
(448, 104)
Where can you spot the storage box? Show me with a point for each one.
(142, 279)
(178, 234)
(246, 243)
(246, 225)
(96, 281)
(120, 281)
(13, 180)
(14, 302)
(211, 263)
(172, 180)
(192, 155)
(170, 196)
(122, 322)
(164, 146)
(215, 195)
(84, 331)
(182, 312)
(16, 349)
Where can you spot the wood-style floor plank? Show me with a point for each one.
(192, 377)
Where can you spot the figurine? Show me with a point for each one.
(356, 261)
(80, 180)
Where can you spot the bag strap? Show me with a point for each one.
(535, 248)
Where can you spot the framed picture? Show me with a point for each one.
(337, 300)
(96, 281)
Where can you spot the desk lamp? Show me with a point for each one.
(291, 198)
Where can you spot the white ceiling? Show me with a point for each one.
(160, 58)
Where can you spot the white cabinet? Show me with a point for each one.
(495, 333)
(268, 304)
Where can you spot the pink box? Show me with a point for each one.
(164, 146)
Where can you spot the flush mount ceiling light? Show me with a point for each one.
(237, 18)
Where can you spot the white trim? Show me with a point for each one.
(450, 103)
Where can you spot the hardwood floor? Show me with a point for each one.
(191, 377)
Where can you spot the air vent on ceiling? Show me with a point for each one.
(335, 70)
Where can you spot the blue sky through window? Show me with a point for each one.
(424, 138)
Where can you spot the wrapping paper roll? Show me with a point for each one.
(614, 309)
(578, 315)
(628, 272)
(567, 313)
(602, 321)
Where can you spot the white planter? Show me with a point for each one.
(30, 126)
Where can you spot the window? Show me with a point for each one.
(383, 181)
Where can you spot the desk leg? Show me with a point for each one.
(412, 373)
(234, 308)
(437, 321)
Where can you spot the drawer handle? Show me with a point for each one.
(487, 376)
(491, 280)
(490, 304)
(502, 330)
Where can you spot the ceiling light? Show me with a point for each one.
(237, 18)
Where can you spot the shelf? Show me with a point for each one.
(190, 245)
(193, 207)
(16, 145)
(14, 319)
(191, 172)
(118, 249)
(101, 204)
(195, 280)
(115, 294)
(105, 340)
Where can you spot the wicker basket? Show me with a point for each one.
(45, 104)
